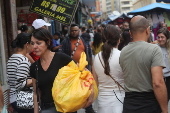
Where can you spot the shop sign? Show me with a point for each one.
(62, 11)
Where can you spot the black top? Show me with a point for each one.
(46, 78)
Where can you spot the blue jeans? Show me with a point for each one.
(14, 105)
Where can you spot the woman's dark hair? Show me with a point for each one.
(23, 28)
(57, 33)
(21, 40)
(97, 40)
(164, 31)
(112, 35)
(44, 35)
(126, 38)
(88, 31)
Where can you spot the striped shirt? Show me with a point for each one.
(18, 71)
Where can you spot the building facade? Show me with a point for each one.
(109, 6)
(126, 6)
(117, 5)
(141, 3)
(103, 9)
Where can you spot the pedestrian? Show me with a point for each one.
(91, 35)
(57, 39)
(163, 42)
(142, 64)
(48, 64)
(18, 70)
(125, 25)
(24, 29)
(38, 23)
(125, 39)
(97, 43)
(64, 31)
(73, 46)
(108, 70)
(85, 35)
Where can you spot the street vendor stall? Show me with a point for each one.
(155, 13)
(119, 19)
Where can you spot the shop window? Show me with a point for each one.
(127, 2)
(126, 8)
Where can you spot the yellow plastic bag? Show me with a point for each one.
(72, 86)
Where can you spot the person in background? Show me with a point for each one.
(91, 35)
(64, 31)
(142, 64)
(73, 46)
(97, 43)
(38, 23)
(162, 24)
(99, 30)
(125, 25)
(102, 26)
(106, 66)
(56, 41)
(91, 29)
(95, 30)
(24, 29)
(86, 36)
(163, 41)
(125, 39)
(18, 73)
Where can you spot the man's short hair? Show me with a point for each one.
(57, 33)
(74, 25)
(139, 25)
(83, 29)
(103, 25)
(125, 22)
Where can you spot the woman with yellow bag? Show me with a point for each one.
(44, 71)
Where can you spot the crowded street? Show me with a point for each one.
(84, 56)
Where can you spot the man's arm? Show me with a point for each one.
(159, 88)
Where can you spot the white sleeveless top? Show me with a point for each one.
(106, 83)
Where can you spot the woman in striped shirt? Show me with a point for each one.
(18, 70)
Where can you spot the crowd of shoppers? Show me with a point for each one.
(132, 73)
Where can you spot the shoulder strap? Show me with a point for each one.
(111, 76)
(75, 48)
(37, 81)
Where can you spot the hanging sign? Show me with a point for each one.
(62, 11)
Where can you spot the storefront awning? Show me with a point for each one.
(123, 15)
(89, 3)
(151, 7)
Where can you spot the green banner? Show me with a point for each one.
(62, 11)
